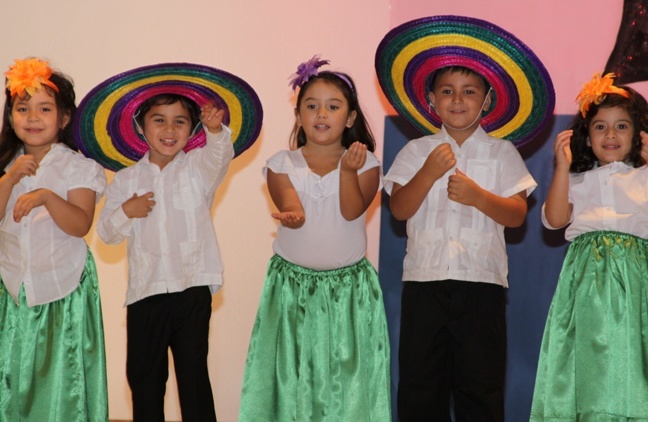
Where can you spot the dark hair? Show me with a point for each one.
(65, 99)
(434, 77)
(583, 157)
(360, 131)
(168, 99)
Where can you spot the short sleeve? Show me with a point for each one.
(280, 163)
(86, 173)
(403, 168)
(514, 175)
(370, 163)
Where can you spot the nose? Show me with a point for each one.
(610, 133)
(32, 115)
(322, 113)
(457, 98)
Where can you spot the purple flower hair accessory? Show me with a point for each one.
(305, 71)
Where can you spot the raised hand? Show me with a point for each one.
(355, 157)
(212, 118)
(25, 165)
(28, 201)
(563, 151)
(440, 160)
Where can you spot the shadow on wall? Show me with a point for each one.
(535, 258)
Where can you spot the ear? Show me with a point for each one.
(351, 118)
(65, 119)
(487, 101)
(297, 118)
(431, 98)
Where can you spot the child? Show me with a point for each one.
(52, 360)
(319, 349)
(458, 189)
(162, 206)
(594, 356)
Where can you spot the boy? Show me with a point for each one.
(457, 189)
(162, 206)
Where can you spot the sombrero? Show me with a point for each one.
(104, 129)
(408, 54)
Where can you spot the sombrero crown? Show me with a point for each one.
(408, 54)
(104, 129)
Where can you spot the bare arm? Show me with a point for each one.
(291, 212)
(406, 200)
(356, 191)
(558, 210)
(74, 216)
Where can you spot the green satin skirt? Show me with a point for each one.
(594, 357)
(319, 349)
(52, 358)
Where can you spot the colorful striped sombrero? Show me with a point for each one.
(103, 126)
(408, 54)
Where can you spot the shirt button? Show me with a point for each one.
(451, 238)
(454, 210)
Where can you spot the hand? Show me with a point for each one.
(440, 160)
(355, 157)
(290, 219)
(25, 165)
(212, 118)
(138, 206)
(644, 146)
(28, 201)
(463, 189)
(563, 151)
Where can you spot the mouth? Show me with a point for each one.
(321, 127)
(168, 142)
(33, 130)
(611, 147)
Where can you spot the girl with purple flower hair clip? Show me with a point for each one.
(319, 347)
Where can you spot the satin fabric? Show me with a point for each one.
(319, 349)
(52, 358)
(594, 357)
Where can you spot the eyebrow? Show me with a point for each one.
(179, 116)
(328, 99)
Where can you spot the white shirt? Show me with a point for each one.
(326, 240)
(175, 246)
(448, 240)
(36, 252)
(613, 197)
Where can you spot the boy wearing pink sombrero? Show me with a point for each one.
(458, 187)
(160, 201)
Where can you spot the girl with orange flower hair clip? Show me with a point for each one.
(594, 356)
(52, 359)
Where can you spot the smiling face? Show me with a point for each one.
(167, 128)
(459, 99)
(610, 135)
(324, 114)
(36, 121)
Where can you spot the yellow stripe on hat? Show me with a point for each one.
(445, 40)
(103, 111)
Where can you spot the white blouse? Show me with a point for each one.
(36, 252)
(613, 197)
(327, 240)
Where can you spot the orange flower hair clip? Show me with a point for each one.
(29, 75)
(596, 90)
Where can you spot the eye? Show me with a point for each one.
(334, 107)
(446, 91)
(21, 109)
(623, 126)
(181, 122)
(46, 109)
(310, 106)
(599, 127)
(469, 92)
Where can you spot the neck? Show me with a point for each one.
(38, 152)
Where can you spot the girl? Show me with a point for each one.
(319, 348)
(594, 356)
(52, 362)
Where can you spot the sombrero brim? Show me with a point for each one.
(408, 54)
(103, 126)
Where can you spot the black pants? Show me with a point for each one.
(452, 342)
(179, 321)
